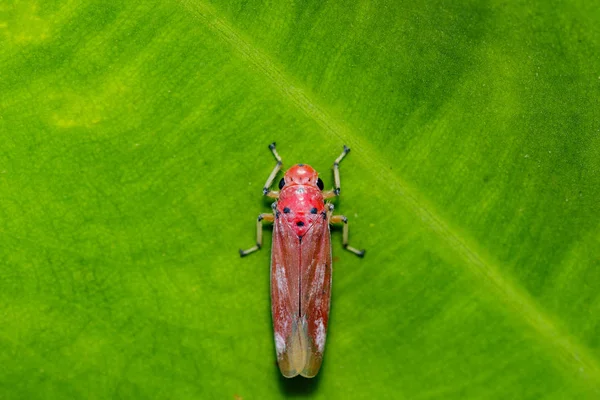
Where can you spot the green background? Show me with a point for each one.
(133, 153)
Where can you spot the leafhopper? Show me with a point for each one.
(301, 263)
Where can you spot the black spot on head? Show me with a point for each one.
(286, 210)
(299, 223)
(320, 184)
(301, 165)
(313, 210)
(281, 183)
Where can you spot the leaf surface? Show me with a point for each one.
(134, 150)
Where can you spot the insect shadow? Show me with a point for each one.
(298, 385)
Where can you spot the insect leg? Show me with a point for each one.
(336, 219)
(266, 191)
(336, 175)
(266, 217)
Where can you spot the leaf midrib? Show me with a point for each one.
(567, 349)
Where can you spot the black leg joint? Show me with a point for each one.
(259, 245)
(345, 220)
(346, 149)
(260, 217)
(242, 253)
(272, 146)
(336, 164)
(337, 191)
(266, 191)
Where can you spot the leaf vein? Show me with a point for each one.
(570, 352)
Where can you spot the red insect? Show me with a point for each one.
(301, 263)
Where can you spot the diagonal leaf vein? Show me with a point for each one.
(570, 352)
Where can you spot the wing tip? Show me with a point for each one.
(304, 373)
(299, 357)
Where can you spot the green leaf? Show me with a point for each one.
(134, 150)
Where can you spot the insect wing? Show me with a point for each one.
(290, 340)
(300, 296)
(315, 292)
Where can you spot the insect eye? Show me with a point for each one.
(320, 183)
(281, 183)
